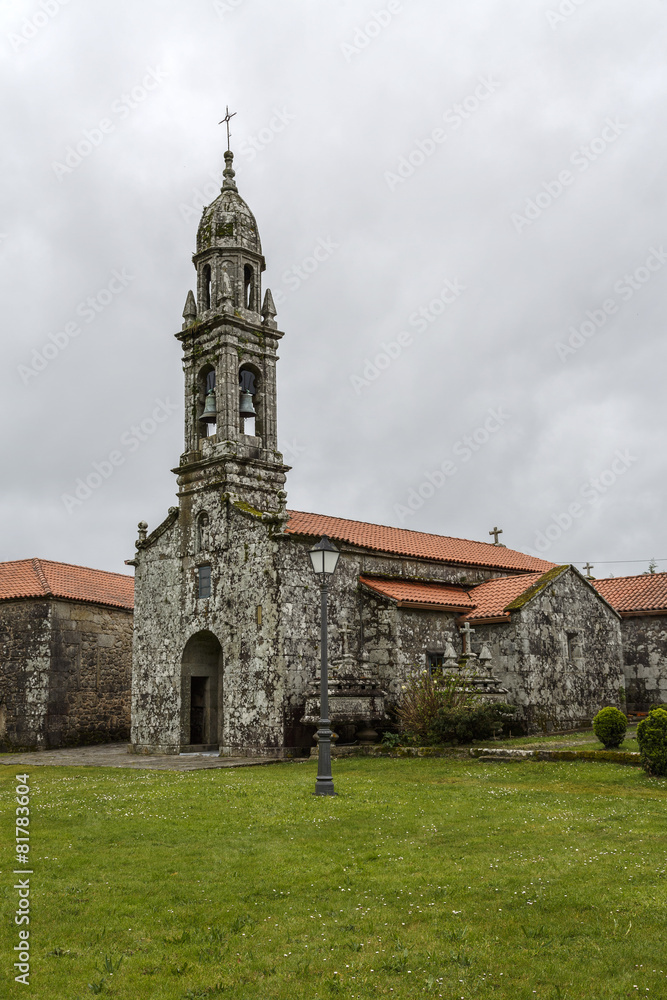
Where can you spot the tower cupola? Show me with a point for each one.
(228, 243)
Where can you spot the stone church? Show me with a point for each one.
(226, 630)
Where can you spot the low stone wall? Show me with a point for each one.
(606, 756)
(487, 754)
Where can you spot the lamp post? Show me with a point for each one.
(324, 557)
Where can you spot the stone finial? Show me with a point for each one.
(229, 184)
(485, 656)
(227, 294)
(143, 529)
(269, 311)
(190, 311)
(450, 658)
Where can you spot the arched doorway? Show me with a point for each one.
(201, 677)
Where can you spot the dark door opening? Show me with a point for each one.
(198, 710)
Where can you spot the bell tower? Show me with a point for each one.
(230, 338)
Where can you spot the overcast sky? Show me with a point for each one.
(482, 343)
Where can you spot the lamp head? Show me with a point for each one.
(324, 557)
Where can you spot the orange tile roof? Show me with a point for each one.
(488, 601)
(492, 597)
(628, 594)
(408, 593)
(43, 578)
(415, 544)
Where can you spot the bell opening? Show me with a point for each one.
(247, 411)
(208, 418)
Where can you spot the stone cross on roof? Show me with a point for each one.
(227, 119)
(588, 569)
(467, 632)
(496, 532)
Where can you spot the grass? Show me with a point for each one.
(436, 878)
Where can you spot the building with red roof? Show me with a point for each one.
(641, 601)
(65, 654)
(227, 604)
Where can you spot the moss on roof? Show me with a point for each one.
(532, 592)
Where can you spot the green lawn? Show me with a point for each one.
(423, 877)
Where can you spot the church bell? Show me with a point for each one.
(246, 409)
(209, 415)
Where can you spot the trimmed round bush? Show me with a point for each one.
(652, 739)
(609, 725)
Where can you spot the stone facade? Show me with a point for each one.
(66, 673)
(560, 656)
(645, 654)
(226, 647)
(642, 603)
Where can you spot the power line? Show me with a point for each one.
(610, 562)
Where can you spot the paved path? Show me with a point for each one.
(117, 755)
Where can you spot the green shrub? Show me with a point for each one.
(424, 696)
(390, 739)
(470, 722)
(609, 725)
(652, 739)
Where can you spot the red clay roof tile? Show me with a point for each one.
(407, 593)
(415, 544)
(43, 578)
(635, 593)
(492, 597)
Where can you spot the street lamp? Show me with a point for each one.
(324, 557)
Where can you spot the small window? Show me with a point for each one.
(248, 287)
(435, 664)
(203, 581)
(206, 286)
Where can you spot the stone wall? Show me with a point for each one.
(241, 550)
(90, 677)
(25, 658)
(560, 657)
(65, 673)
(645, 654)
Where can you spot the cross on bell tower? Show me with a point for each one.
(230, 339)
